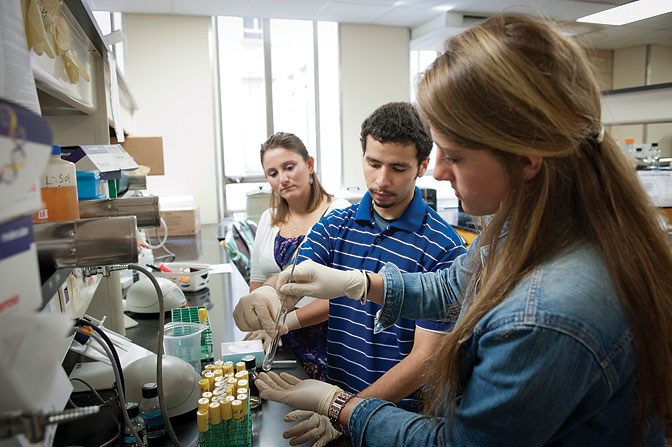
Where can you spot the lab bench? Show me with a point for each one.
(219, 298)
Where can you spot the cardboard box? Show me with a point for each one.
(146, 151)
(108, 159)
(182, 215)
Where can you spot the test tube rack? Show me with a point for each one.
(232, 438)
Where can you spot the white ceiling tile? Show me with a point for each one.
(351, 12)
(210, 8)
(401, 16)
(409, 13)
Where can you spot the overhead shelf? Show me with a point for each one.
(59, 97)
(638, 105)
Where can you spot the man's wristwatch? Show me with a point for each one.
(336, 407)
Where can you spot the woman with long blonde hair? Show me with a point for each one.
(564, 327)
(298, 201)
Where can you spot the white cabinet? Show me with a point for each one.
(82, 113)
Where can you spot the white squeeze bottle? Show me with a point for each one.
(58, 185)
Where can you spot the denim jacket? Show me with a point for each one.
(552, 365)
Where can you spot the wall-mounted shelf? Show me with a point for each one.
(638, 105)
(81, 113)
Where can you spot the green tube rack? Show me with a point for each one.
(219, 436)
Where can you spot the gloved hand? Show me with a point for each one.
(258, 310)
(261, 335)
(300, 394)
(320, 281)
(291, 323)
(315, 426)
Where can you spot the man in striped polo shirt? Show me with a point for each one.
(391, 224)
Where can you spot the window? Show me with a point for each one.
(109, 22)
(301, 94)
(445, 195)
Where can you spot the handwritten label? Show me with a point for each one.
(58, 176)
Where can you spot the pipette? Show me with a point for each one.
(269, 355)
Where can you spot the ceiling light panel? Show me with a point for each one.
(630, 12)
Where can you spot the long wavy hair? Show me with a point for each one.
(292, 143)
(515, 86)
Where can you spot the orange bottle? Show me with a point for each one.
(59, 190)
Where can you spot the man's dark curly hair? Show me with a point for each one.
(397, 122)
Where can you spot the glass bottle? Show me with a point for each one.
(138, 423)
(151, 411)
(58, 186)
(251, 366)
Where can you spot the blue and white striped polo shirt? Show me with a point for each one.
(419, 241)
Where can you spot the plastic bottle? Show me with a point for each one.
(58, 185)
(151, 411)
(138, 423)
(655, 156)
(251, 366)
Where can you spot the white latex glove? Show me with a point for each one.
(315, 426)
(320, 281)
(291, 323)
(300, 394)
(261, 335)
(258, 310)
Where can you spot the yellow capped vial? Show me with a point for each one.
(203, 403)
(225, 408)
(204, 385)
(242, 375)
(238, 412)
(242, 383)
(202, 420)
(218, 373)
(227, 367)
(243, 399)
(202, 315)
(240, 366)
(211, 378)
(207, 395)
(215, 413)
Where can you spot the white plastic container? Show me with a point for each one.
(183, 340)
(190, 277)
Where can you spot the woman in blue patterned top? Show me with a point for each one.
(564, 328)
(298, 201)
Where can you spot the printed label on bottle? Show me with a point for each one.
(154, 423)
(58, 177)
(153, 418)
(129, 439)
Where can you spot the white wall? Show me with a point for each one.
(631, 69)
(168, 70)
(374, 71)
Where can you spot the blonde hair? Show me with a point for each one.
(515, 86)
(294, 144)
